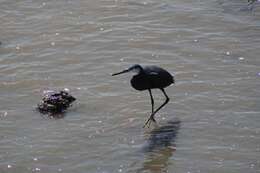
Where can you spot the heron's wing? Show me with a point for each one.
(159, 78)
(154, 78)
(153, 73)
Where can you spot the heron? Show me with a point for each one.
(148, 78)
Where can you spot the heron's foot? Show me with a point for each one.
(148, 122)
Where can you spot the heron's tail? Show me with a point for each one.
(173, 80)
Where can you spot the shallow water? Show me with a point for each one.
(212, 48)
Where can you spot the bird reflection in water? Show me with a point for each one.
(251, 5)
(160, 147)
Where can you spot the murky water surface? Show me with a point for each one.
(210, 125)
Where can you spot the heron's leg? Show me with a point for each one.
(165, 102)
(152, 115)
(152, 101)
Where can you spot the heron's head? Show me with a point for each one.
(134, 68)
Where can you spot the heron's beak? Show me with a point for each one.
(124, 71)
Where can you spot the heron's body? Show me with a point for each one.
(150, 77)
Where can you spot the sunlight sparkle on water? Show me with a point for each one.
(66, 89)
(35, 159)
(4, 114)
(37, 169)
(241, 58)
(17, 47)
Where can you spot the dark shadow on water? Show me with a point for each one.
(61, 115)
(53, 115)
(163, 136)
(160, 147)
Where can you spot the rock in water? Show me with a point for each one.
(55, 102)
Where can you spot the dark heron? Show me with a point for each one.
(147, 78)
